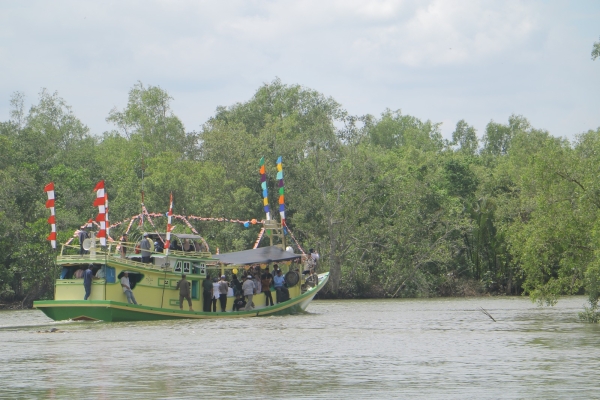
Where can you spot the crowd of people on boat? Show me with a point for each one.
(145, 247)
(253, 281)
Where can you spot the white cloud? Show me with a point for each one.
(439, 60)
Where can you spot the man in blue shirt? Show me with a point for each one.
(282, 293)
(87, 281)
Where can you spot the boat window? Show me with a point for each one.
(134, 278)
(186, 267)
(178, 267)
(110, 275)
(70, 272)
(199, 269)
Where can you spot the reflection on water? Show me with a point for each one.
(439, 348)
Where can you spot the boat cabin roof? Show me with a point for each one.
(261, 255)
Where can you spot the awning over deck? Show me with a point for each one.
(262, 255)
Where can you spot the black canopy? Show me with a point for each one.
(262, 255)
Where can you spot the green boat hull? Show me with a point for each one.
(115, 311)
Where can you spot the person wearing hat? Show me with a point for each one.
(145, 247)
(184, 292)
(248, 288)
(223, 288)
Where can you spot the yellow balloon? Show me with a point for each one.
(234, 270)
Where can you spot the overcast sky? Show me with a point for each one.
(437, 60)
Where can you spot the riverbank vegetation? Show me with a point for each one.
(394, 209)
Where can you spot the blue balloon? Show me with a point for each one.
(246, 224)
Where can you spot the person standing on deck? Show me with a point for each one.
(223, 288)
(236, 285)
(145, 247)
(184, 292)
(275, 269)
(248, 288)
(266, 279)
(206, 293)
(127, 288)
(87, 281)
(124, 246)
(82, 235)
(215, 293)
(280, 290)
(257, 283)
(315, 257)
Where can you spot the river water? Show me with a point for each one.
(432, 348)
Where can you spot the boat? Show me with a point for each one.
(154, 282)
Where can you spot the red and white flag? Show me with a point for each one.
(49, 189)
(169, 226)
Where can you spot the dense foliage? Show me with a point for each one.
(393, 208)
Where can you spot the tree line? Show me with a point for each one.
(394, 209)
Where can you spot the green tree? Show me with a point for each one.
(465, 137)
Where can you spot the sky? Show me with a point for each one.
(437, 60)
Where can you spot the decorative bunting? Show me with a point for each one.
(102, 218)
(49, 189)
(296, 241)
(263, 185)
(260, 235)
(169, 226)
(281, 193)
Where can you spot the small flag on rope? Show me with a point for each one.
(49, 189)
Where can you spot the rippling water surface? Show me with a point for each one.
(440, 348)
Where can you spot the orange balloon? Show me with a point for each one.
(253, 221)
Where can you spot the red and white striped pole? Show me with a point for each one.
(169, 226)
(49, 189)
(101, 202)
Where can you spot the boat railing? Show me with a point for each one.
(138, 264)
(73, 253)
(180, 253)
(70, 252)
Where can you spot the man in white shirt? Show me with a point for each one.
(248, 288)
(127, 288)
